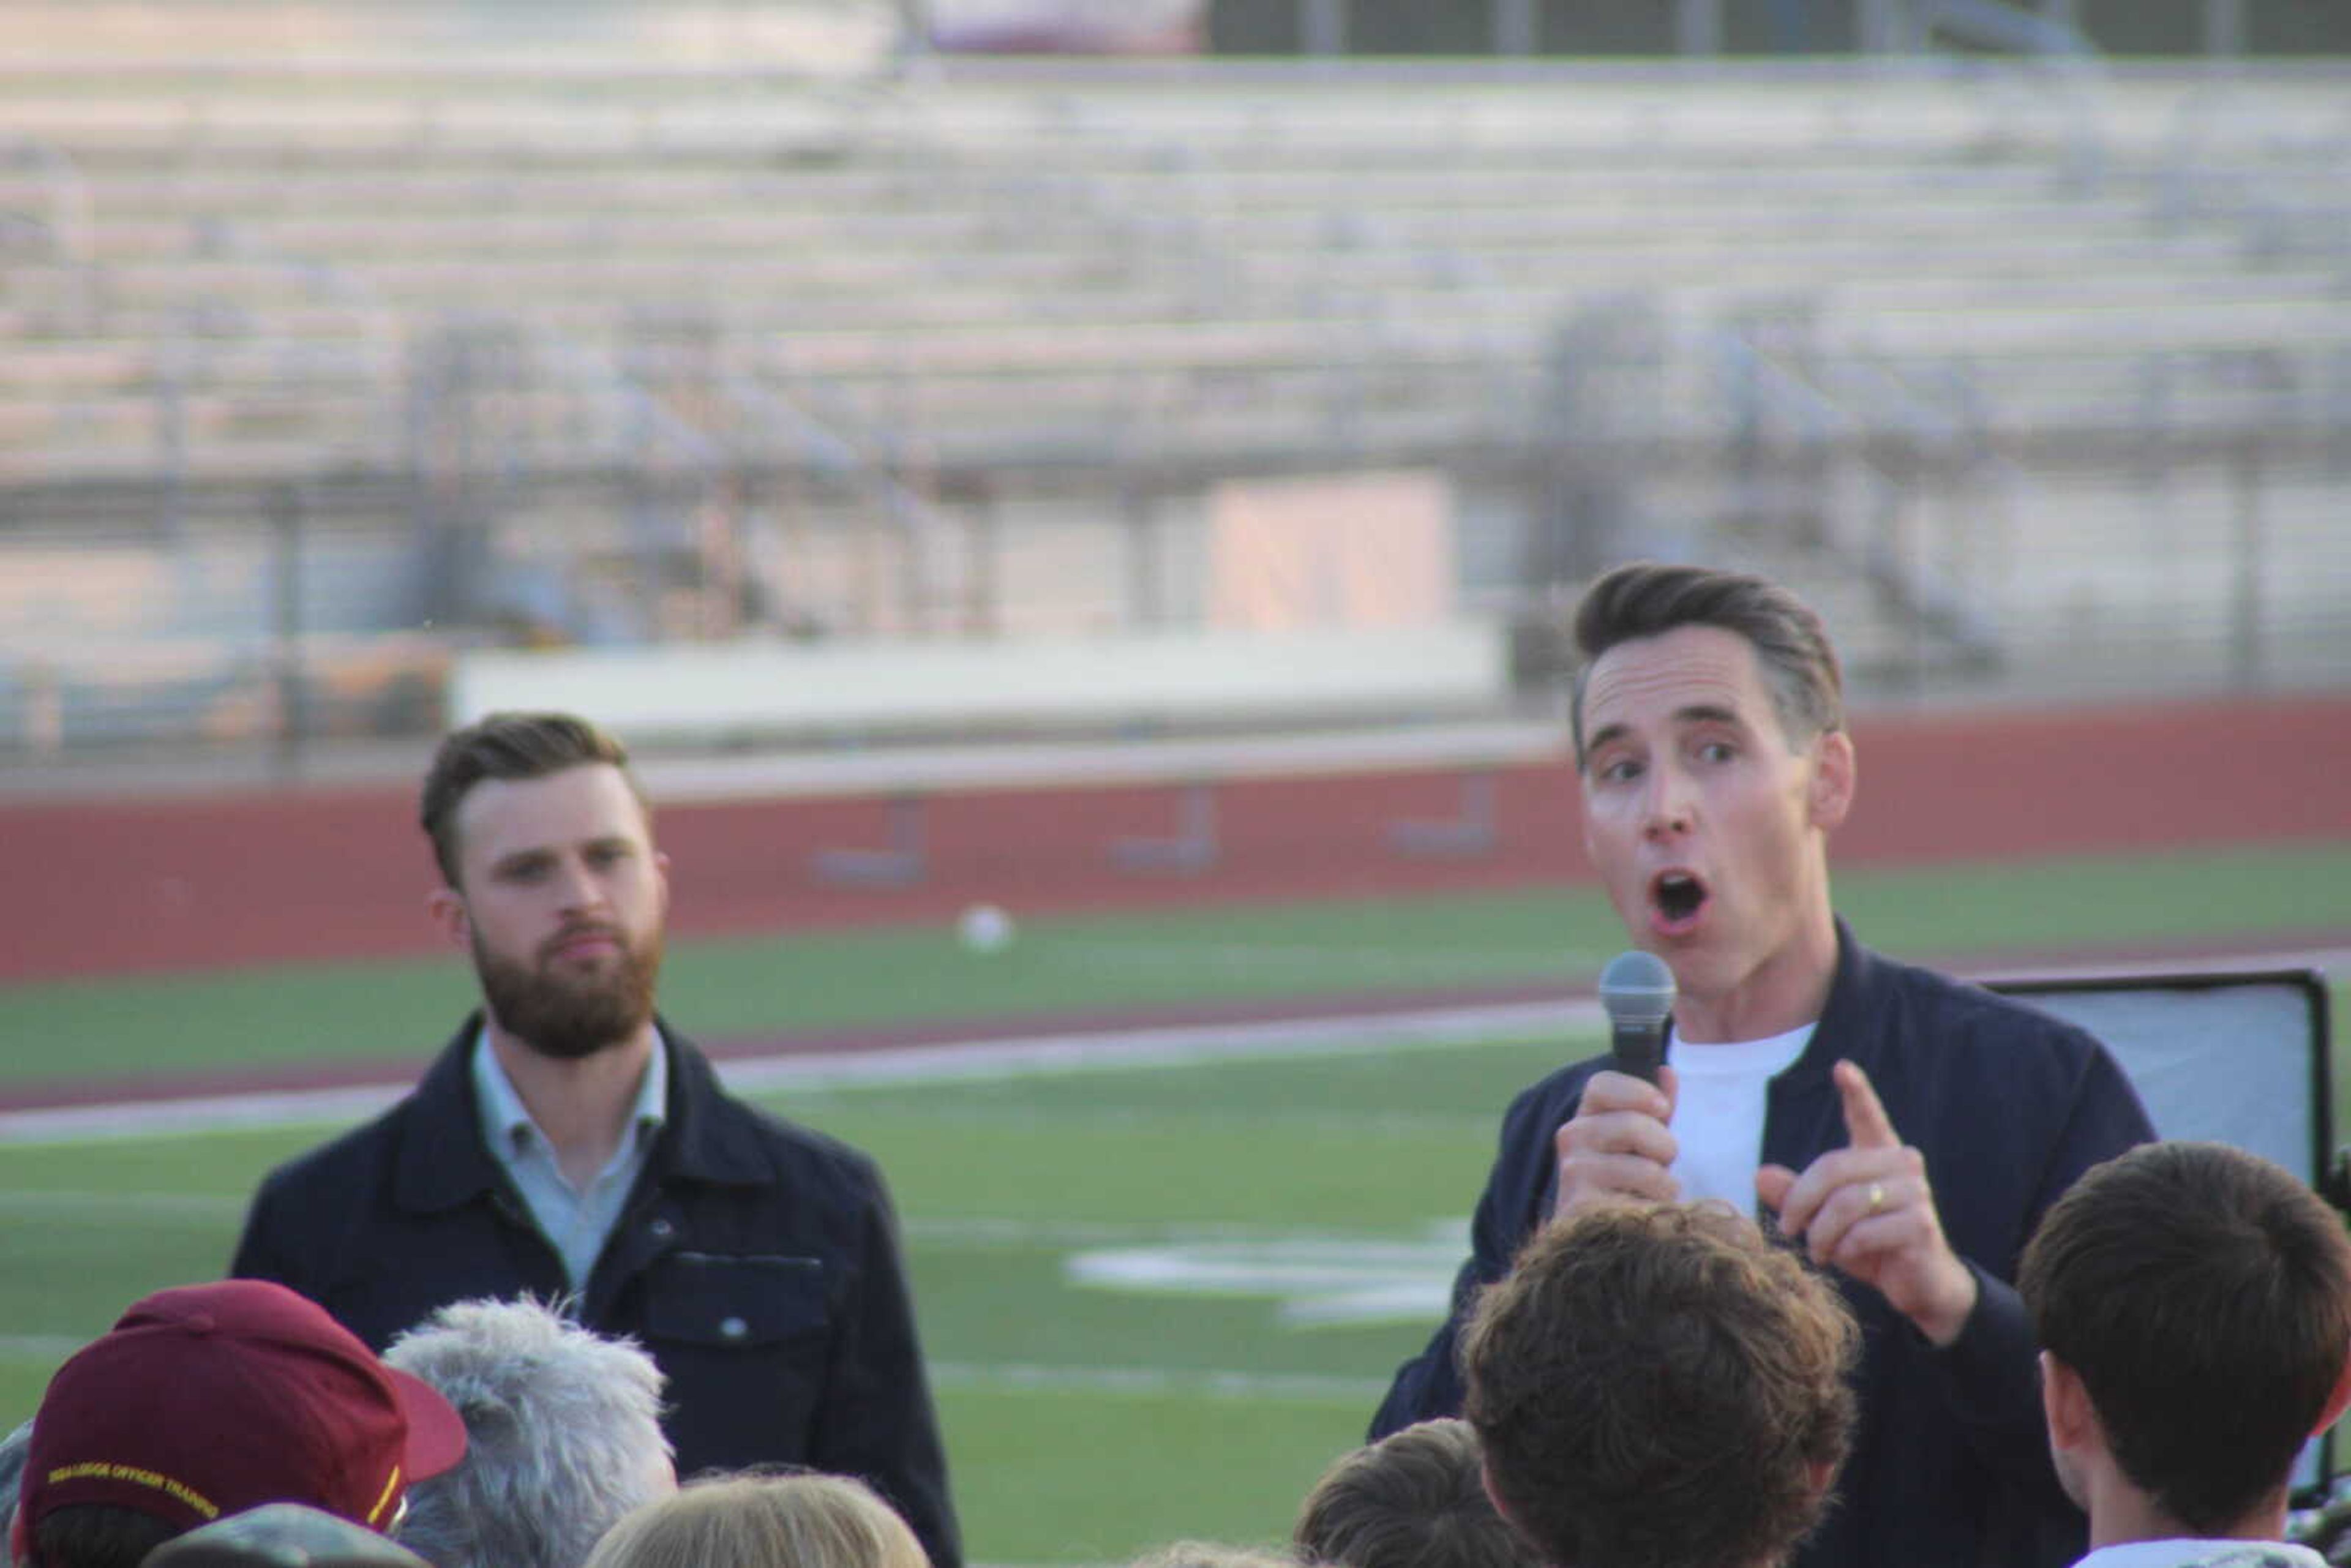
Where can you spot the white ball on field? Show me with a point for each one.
(984, 928)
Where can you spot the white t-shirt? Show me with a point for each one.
(2185, 1554)
(1718, 1114)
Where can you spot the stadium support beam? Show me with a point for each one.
(1516, 30)
(2225, 29)
(1698, 28)
(1322, 26)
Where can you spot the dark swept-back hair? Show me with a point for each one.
(2203, 1296)
(1644, 599)
(507, 746)
(1413, 1500)
(1659, 1387)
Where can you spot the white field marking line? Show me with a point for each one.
(978, 1231)
(1150, 955)
(1017, 1377)
(175, 1206)
(1081, 1233)
(986, 1060)
(1180, 1045)
(1216, 1119)
(960, 1061)
(997, 1377)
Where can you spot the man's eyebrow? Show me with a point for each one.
(1707, 713)
(1604, 735)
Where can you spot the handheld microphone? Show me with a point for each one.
(1638, 990)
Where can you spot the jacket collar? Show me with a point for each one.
(445, 1162)
(1804, 1112)
(1844, 1024)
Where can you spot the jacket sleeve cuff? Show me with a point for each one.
(1991, 1373)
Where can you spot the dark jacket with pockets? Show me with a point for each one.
(757, 1262)
(1950, 1464)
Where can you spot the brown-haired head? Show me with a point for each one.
(1657, 1385)
(1413, 1500)
(2203, 1295)
(1646, 599)
(507, 746)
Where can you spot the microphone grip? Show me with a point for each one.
(1639, 1048)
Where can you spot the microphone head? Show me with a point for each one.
(1637, 989)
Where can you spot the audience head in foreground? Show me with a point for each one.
(208, 1400)
(12, 1470)
(282, 1535)
(759, 1520)
(1211, 1555)
(1660, 1386)
(2193, 1306)
(563, 1436)
(1413, 1500)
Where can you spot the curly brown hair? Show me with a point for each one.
(1660, 1386)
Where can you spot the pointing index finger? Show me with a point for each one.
(1865, 1122)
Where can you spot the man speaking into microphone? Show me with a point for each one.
(1906, 1131)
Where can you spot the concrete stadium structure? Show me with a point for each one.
(318, 368)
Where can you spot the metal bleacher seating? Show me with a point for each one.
(364, 274)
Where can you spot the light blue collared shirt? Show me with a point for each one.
(576, 1223)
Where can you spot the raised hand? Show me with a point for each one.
(1868, 1211)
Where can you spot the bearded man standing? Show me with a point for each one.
(567, 1144)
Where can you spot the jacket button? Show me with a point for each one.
(733, 1328)
(662, 1230)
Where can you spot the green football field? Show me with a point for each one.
(1157, 1297)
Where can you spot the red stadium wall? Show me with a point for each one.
(111, 886)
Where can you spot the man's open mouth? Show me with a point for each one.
(1679, 895)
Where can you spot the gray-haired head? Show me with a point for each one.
(12, 1448)
(282, 1535)
(563, 1436)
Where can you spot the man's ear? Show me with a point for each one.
(2336, 1401)
(1835, 772)
(447, 908)
(2065, 1404)
(1486, 1480)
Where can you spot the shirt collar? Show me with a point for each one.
(505, 1114)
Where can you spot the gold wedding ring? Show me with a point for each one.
(1876, 1196)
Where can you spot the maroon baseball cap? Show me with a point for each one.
(207, 1400)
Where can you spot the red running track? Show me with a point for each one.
(124, 885)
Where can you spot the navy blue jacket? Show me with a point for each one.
(756, 1260)
(1950, 1462)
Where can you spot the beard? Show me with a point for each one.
(568, 1017)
